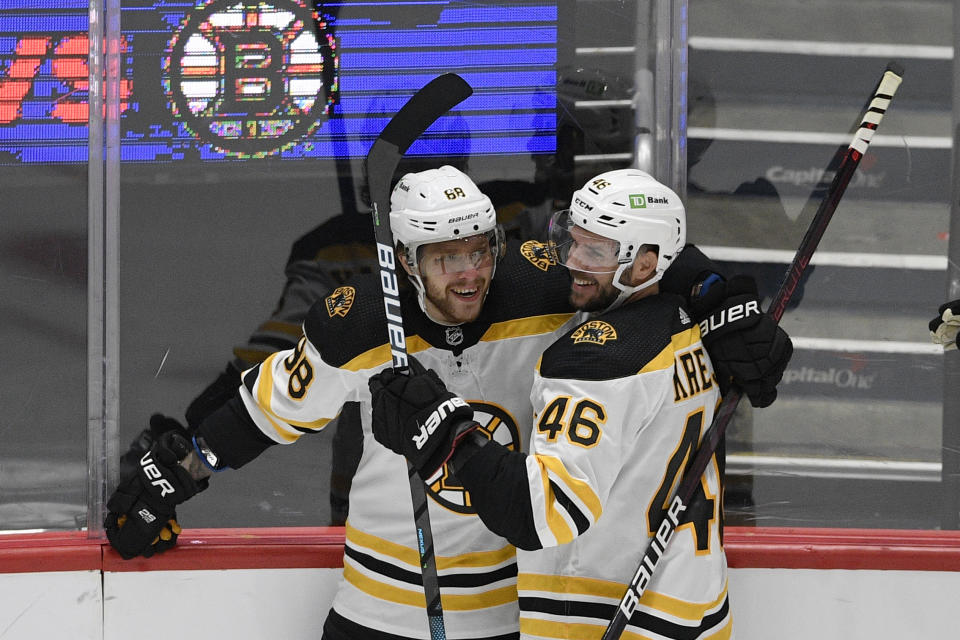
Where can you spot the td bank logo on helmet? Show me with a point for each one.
(640, 200)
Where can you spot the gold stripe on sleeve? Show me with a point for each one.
(265, 398)
(582, 489)
(558, 526)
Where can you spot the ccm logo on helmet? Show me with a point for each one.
(581, 203)
(726, 316)
(151, 471)
(435, 418)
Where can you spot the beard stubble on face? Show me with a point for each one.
(595, 296)
(452, 307)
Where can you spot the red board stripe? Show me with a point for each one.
(322, 547)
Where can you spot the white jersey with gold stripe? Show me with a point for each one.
(490, 363)
(621, 402)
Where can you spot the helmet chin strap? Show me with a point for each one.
(627, 291)
(422, 301)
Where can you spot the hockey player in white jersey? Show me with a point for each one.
(480, 314)
(620, 402)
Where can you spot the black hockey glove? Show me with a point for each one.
(943, 328)
(130, 465)
(414, 415)
(159, 425)
(142, 511)
(746, 346)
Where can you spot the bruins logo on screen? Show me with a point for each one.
(339, 302)
(595, 332)
(538, 253)
(252, 77)
(497, 424)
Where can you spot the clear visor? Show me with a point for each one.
(581, 250)
(457, 256)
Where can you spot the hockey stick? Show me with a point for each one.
(432, 101)
(878, 104)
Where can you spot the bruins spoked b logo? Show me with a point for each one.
(251, 77)
(497, 424)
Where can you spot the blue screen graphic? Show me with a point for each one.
(225, 80)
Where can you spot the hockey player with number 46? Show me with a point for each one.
(620, 400)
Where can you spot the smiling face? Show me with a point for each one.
(456, 275)
(592, 261)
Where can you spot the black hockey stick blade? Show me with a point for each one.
(423, 109)
(432, 101)
(429, 103)
(870, 120)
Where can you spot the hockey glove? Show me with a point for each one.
(159, 425)
(746, 346)
(414, 415)
(142, 511)
(943, 328)
(130, 465)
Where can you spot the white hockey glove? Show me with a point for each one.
(943, 328)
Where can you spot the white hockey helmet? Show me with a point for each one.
(438, 205)
(632, 209)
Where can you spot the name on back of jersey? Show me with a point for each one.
(692, 373)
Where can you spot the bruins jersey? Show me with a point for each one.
(621, 402)
(489, 362)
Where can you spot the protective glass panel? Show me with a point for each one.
(243, 194)
(43, 265)
(243, 131)
(854, 439)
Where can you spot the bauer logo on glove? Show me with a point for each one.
(154, 475)
(435, 419)
(729, 315)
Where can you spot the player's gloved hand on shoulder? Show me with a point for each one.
(414, 415)
(746, 346)
(943, 328)
(141, 513)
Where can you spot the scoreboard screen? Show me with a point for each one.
(228, 80)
